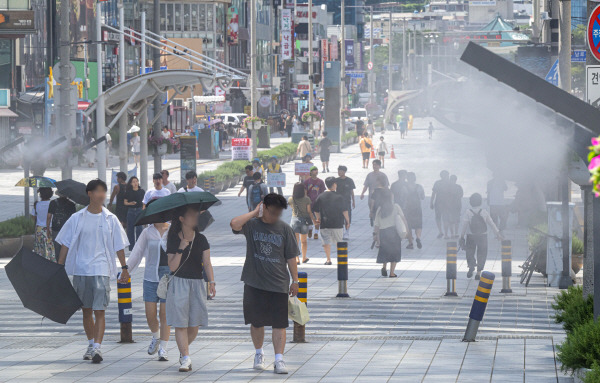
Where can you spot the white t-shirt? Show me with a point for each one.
(135, 144)
(171, 187)
(41, 213)
(382, 147)
(91, 254)
(154, 194)
(194, 189)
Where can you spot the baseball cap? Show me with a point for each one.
(313, 168)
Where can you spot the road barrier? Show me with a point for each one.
(506, 266)
(451, 253)
(125, 314)
(479, 304)
(342, 269)
(299, 330)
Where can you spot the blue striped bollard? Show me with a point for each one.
(479, 304)
(342, 269)
(125, 312)
(299, 330)
(451, 252)
(506, 266)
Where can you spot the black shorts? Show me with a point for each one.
(381, 154)
(265, 308)
(324, 157)
(366, 155)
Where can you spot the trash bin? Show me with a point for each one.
(206, 144)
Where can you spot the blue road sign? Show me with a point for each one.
(552, 76)
(578, 56)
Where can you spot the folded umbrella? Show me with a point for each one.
(162, 209)
(73, 190)
(43, 286)
(37, 182)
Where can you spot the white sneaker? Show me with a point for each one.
(163, 356)
(153, 348)
(88, 352)
(280, 367)
(97, 356)
(259, 362)
(185, 364)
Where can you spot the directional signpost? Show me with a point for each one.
(552, 76)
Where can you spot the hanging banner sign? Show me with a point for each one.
(349, 54)
(232, 25)
(287, 43)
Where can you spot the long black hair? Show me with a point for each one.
(386, 204)
(129, 185)
(175, 229)
(299, 191)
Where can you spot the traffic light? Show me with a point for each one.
(50, 84)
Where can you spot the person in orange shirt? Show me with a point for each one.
(365, 147)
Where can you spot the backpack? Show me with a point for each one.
(256, 196)
(477, 224)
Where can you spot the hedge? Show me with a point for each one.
(17, 227)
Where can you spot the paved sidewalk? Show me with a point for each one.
(396, 330)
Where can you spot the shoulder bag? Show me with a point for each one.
(163, 284)
(401, 228)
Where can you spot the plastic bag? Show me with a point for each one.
(297, 311)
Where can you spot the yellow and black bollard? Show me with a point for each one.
(451, 252)
(342, 269)
(212, 184)
(206, 184)
(479, 304)
(299, 330)
(125, 314)
(506, 266)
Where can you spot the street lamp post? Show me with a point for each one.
(310, 59)
(343, 66)
(371, 73)
(253, 72)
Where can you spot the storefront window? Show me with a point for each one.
(5, 64)
(177, 17)
(170, 14)
(210, 17)
(163, 17)
(202, 17)
(186, 17)
(194, 17)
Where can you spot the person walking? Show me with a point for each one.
(302, 218)
(475, 224)
(257, 167)
(289, 125)
(454, 208)
(324, 145)
(331, 216)
(92, 240)
(274, 167)
(135, 148)
(382, 149)
(345, 188)
(188, 254)
(271, 252)
(430, 130)
(304, 147)
(191, 183)
(59, 211)
(376, 196)
(403, 127)
(148, 247)
(170, 186)
(158, 191)
(134, 197)
(440, 196)
(365, 148)
(386, 233)
(119, 193)
(257, 191)
(371, 180)
(496, 187)
(314, 187)
(246, 183)
(295, 126)
(360, 130)
(398, 189)
(413, 211)
(43, 244)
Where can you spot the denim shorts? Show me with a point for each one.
(151, 287)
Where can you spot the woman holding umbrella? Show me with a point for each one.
(43, 244)
(188, 256)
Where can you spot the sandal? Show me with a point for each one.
(393, 276)
(383, 272)
(328, 263)
(305, 260)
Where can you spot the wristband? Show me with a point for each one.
(125, 267)
(296, 282)
(212, 283)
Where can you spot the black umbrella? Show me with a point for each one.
(161, 210)
(43, 286)
(205, 220)
(73, 190)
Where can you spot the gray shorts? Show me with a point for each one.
(186, 303)
(94, 291)
(331, 236)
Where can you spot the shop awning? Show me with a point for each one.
(5, 112)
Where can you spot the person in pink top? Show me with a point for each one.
(314, 188)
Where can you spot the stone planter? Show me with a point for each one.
(580, 374)
(9, 247)
(161, 149)
(234, 181)
(28, 241)
(576, 262)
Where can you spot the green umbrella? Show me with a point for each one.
(162, 209)
(37, 182)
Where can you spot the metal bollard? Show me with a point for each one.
(125, 315)
(212, 184)
(299, 330)
(479, 304)
(451, 252)
(506, 266)
(342, 269)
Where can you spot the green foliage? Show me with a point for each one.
(348, 136)
(16, 227)
(572, 310)
(577, 245)
(581, 348)
(593, 376)
(280, 151)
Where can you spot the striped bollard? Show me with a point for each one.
(125, 314)
(451, 252)
(479, 304)
(299, 330)
(342, 269)
(506, 266)
(206, 184)
(212, 184)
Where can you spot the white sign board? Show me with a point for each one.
(592, 84)
(302, 168)
(276, 180)
(241, 149)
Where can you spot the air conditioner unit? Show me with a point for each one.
(544, 16)
(4, 98)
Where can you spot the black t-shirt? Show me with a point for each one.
(324, 144)
(331, 206)
(61, 209)
(136, 196)
(345, 187)
(164, 258)
(193, 267)
(248, 181)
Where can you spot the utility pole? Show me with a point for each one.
(310, 58)
(390, 83)
(155, 68)
(564, 48)
(144, 111)
(100, 112)
(372, 72)
(414, 57)
(65, 108)
(123, 153)
(343, 67)
(536, 21)
(404, 53)
(143, 45)
(253, 83)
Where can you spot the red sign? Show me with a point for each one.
(240, 142)
(593, 31)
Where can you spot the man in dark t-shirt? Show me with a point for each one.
(246, 183)
(59, 211)
(332, 215)
(345, 188)
(324, 145)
